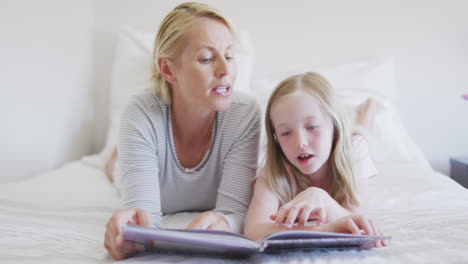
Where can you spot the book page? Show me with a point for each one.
(294, 239)
(298, 234)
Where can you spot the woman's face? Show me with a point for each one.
(304, 130)
(206, 70)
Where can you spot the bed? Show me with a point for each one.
(60, 216)
(425, 212)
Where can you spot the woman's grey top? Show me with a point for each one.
(153, 179)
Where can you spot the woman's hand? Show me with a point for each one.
(114, 242)
(312, 203)
(355, 224)
(209, 220)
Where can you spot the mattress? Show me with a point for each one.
(60, 217)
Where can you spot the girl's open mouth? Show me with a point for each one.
(302, 159)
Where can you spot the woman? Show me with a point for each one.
(190, 145)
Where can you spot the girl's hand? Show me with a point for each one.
(209, 220)
(114, 242)
(357, 225)
(310, 204)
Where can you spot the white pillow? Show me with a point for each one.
(131, 73)
(354, 83)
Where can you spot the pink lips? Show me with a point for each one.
(222, 90)
(304, 160)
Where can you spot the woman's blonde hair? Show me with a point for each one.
(342, 185)
(171, 38)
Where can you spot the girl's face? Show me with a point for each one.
(304, 130)
(205, 71)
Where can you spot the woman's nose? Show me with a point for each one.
(221, 68)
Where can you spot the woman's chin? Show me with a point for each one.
(221, 104)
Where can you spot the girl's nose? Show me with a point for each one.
(301, 141)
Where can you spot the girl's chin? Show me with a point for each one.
(307, 170)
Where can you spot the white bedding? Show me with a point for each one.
(60, 216)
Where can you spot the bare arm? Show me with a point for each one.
(264, 203)
(311, 204)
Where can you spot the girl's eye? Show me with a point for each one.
(206, 60)
(285, 133)
(312, 127)
(229, 58)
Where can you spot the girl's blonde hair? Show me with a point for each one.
(172, 36)
(342, 185)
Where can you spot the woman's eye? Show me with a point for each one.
(312, 127)
(206, 60)
(285, 133)
(229, 58)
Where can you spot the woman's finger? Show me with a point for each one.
(114, 242)
(143, 218)
(202, 221)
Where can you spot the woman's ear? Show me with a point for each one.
(166, 70)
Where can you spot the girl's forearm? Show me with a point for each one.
(261, 230)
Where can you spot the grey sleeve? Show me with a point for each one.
(235, 189)
(138, 162)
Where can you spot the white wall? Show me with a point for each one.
(56, 58)
(46, 99)
(428, 40)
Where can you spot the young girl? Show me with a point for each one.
(315, 167)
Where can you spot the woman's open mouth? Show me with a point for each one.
(221, 90)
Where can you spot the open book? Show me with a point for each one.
(225, 243)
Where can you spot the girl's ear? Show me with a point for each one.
(274, 137)
(166, 70)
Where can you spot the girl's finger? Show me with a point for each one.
(320, 215)
(352, 227)
(305, 215)
(282, 214)
(371, 227)
(379, 233)
(374, 233)
(292, 216)
(363, 224)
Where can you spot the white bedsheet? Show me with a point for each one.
(60, 216)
